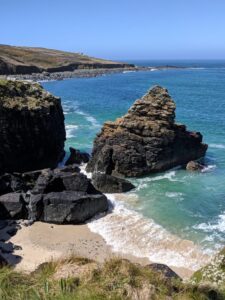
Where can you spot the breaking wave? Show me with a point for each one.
(128, 232)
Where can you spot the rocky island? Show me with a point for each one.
(145, 140)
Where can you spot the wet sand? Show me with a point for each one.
(42, 242)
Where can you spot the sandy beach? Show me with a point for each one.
(42, 242)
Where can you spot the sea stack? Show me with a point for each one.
(32, 130)
(145, 140)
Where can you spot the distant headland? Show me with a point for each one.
(36, 63)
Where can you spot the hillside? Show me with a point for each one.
(27, 60)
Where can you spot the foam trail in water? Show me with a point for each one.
(129, 232)
(208, 168)
(70, 131)
(217, 146)
(89, 118)
(219, 225)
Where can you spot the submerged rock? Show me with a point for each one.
(145, 140)
(111, 184)
(32, 131)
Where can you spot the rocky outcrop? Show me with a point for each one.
(77, 157)
(32, 131)
(145, 140)
(194, 166)
(56, 196)
(111, 184)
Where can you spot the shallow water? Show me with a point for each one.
(188, 205)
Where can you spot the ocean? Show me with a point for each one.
(175, 217)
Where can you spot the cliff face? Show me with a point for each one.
(145, 140)
(32, 131)
(28, 60)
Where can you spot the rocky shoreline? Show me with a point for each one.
(83, 73)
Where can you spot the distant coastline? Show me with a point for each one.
(84, 73)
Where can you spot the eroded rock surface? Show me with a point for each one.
(32, 130)
(145, 140)
(62, 195)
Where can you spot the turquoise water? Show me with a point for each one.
(189, 205)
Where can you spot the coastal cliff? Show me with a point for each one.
(145, 140)
(28, 60)
(29, 116)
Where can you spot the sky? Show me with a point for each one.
(118, 29)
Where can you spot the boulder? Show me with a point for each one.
(145, 140)
(12, 206)
(165, 270)
(62, 195)
(11, 183)
(32, 131)
(194, 166)
(77, 157)
(3, 261)
(59, 180)
(111, 184)
(72, 207)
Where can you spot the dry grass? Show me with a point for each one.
(45, 58)
(115, 279)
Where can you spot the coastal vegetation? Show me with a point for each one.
(80, 278)
(27, 60)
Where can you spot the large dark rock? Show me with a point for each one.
(111, 184)
(11, 183)
(32, 131)
(62, 195)
(77, 157)
(12, 206)
(72, 207)
(145, 140)
(3, 261)
(165, 270)
(58, 180)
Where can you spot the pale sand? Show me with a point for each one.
(42, 242)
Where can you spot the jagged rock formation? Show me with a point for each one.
(145, 140)
(77, 157)
(32, 130)
(56, 196)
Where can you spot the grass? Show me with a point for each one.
(46, 58)
(116, 279)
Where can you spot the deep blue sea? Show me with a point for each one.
(171, 217)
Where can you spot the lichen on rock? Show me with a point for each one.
(32, 130)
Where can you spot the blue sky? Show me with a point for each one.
(118, 29)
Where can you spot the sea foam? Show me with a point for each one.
(71, 131)
(217, 146)
(128, 232)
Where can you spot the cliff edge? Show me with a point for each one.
(28, 60)
(32, 130)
